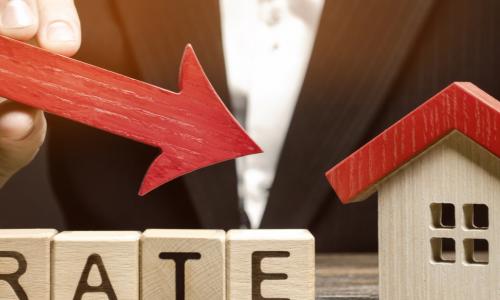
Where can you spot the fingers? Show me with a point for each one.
(57, 26)
(19, 19)
(22, 131)
(55, 21)
(59, 29)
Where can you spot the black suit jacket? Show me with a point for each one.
(373, 62)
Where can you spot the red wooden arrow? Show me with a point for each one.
(192, 128)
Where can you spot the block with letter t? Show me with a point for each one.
(183, 264)
(25, 263)
(270, 264)
(96, 265)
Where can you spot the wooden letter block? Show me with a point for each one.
(96, 265)
(270, 264)
(183, 264)
(25, 263)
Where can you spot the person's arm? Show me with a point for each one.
(56, 26)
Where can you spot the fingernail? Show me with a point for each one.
(17, 14)
(16, 125)
(60, 31)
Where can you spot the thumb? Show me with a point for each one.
(22, 131)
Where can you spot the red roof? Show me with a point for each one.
(461, 106)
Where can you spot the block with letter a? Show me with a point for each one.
(25, 263)
(96, 265)
(270, 264)
(183, 264)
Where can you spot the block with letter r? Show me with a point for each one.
(25, 263)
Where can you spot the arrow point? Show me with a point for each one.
(191, 74)
(226, 141)
(166, 168)
(160, 171)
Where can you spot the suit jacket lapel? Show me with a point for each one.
(158, 31)
(360, 49)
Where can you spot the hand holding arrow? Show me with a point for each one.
(192, 128)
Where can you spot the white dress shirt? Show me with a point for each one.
(267, 47)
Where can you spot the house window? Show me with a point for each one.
(476, 216)
(443, 215)
(476, 251)
(443, 250)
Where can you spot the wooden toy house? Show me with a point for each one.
(437, 173)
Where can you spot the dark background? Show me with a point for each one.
(26, 201)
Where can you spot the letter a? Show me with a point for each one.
(104, 287)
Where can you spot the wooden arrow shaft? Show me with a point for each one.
(113, 103)
(110, 101)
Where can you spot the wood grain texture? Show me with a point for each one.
(27, 249)
(338, 276)
(270, 264)
(347, 276)
(118, 261)
(455, 171)
(204, 273)
(461, 106)
(193, 128)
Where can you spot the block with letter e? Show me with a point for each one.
(183, 264)
(96, 265)
(270, 264)
(25, 263)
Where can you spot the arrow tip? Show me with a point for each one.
(191, 73)
(159, 172)
(220, 138)
(167, 167)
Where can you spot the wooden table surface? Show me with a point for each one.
(347, 276)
